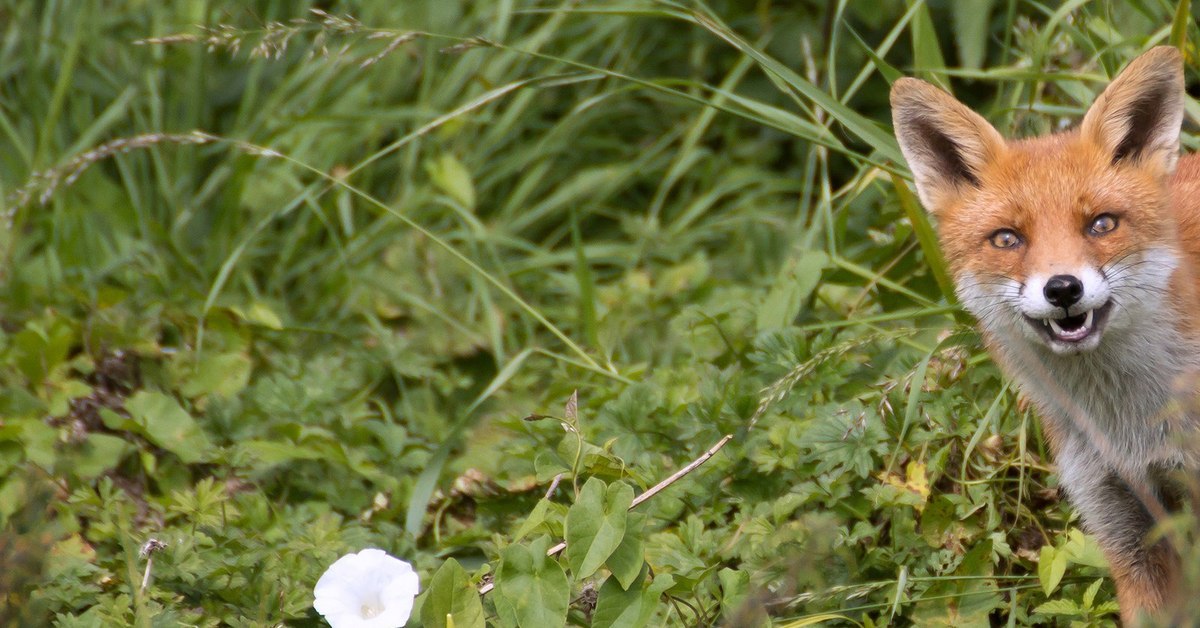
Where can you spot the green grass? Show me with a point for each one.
(274, 291)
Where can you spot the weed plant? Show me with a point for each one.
(450, 278)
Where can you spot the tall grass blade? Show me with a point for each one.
(926, 237)
(1179, 25)
(927, 50)
(856, 123)
(971, 32)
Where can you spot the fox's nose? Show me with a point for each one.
(1063, 290)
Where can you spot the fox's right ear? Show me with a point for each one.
(946, 144)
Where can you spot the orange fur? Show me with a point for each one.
(1104, 392)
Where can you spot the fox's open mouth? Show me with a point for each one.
(1072, 330)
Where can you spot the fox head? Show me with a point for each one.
(1056, 240)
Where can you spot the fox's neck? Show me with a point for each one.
(1122, 397)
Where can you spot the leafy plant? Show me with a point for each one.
(282, 284)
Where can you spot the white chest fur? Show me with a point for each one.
(1122, 402)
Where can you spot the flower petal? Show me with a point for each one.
(398, 596)
(349, 620)
(370, 578)
(402, 586)
(335, 597)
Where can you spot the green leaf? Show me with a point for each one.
(259, 314)
(630, 607)
(451, 600)
(661, 584)
(38, 348)
(965, 600)
(621, 606)
(531, 589)
(39, 440)
(222, 374)
(586, 283)
(1089, 596)
(626, 561)
(793, 285)
(536, 518)
(938, 517)
(1052, 564)
(844, 438)
(1083, 549)
(735, 585)
(453, 178)
(269, 452)
(165, 423)
(1059, 607)
(99, 453)
(596, 525)
(18, 402)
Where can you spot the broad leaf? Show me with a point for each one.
(626, 561)
(621, 606)
(222, 374)
(795, 282)
(596, 525)
(630, 607)
(451, 600)
(162, 420)
(531, 589)
(100, 453)
(735, 585)
(1052, 565)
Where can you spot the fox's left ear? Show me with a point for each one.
(1138, 117)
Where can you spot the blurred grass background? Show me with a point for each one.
(282, 283)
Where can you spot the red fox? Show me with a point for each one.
(1078, 254)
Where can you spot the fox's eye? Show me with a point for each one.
(1004, 239)
(1103, 224)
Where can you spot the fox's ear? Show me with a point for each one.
(946, 144)
(1138, 116)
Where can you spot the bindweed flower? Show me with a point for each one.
(370, 589)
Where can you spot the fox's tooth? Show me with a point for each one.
(1055, 327)
(1087, 322)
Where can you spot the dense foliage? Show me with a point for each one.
(461, 279)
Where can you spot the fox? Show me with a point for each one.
(1078, 255)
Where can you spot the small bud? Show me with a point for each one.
(151, 546)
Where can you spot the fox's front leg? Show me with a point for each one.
(1119, 514)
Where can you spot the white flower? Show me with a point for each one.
(369, 589)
